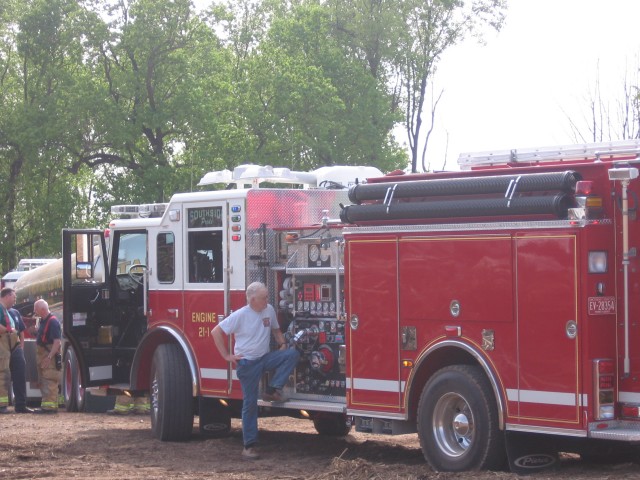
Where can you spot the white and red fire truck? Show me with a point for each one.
(485, 309)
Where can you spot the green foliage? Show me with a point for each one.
(309, 104)
(128, 101)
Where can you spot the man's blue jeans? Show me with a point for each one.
(249, 373)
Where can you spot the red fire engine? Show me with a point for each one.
(484, 309)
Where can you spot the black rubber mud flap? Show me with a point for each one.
(529, 453)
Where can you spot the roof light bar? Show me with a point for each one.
(146, 210)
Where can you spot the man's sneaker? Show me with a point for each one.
(275, 396)
(4, 410)
(250, 454)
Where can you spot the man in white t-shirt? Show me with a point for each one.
(252, 327)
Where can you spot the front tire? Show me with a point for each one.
(458, 421)
(171, 398)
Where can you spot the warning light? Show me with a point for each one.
(236, 238)
(584, 187)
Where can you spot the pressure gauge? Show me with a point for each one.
(324, 254)
(314, 253)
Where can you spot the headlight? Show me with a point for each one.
(597, 262)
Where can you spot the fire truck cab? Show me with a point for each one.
(140, 305)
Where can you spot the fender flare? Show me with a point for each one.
(484, 363)
(141, 366)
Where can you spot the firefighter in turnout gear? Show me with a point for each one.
(126, 405)
(48, 345)
(9, 339)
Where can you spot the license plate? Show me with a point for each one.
(602, 305)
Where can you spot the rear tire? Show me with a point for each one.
(214, 418)
(458, 421)
(331, 424)
(171, 398)
(69, 381)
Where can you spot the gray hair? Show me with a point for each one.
(254, 289)
(42, 303)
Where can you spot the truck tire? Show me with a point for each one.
(331, 424)
(214, 418)
(69, 381)
(458, 421)
(171, 399)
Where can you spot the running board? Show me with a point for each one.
(311, 406)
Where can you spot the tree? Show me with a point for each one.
(40, 64)
(308, 103)
(91, 108)
(402, 42)
(163, 71)
(607, 119)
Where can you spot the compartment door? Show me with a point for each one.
(373, 353)
(548, 331)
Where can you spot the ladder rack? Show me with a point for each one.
(575, 152)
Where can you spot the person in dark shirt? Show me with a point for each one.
(17, 364)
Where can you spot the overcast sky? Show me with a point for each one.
(518, 90)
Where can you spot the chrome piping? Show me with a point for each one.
(467, 227)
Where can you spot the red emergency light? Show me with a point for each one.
(584, 187)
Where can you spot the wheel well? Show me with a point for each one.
(434, 361)
(141, 366)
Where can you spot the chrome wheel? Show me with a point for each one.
(69, 380)
(453, 424)
(80, 391)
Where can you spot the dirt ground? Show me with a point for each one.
(99, 446)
